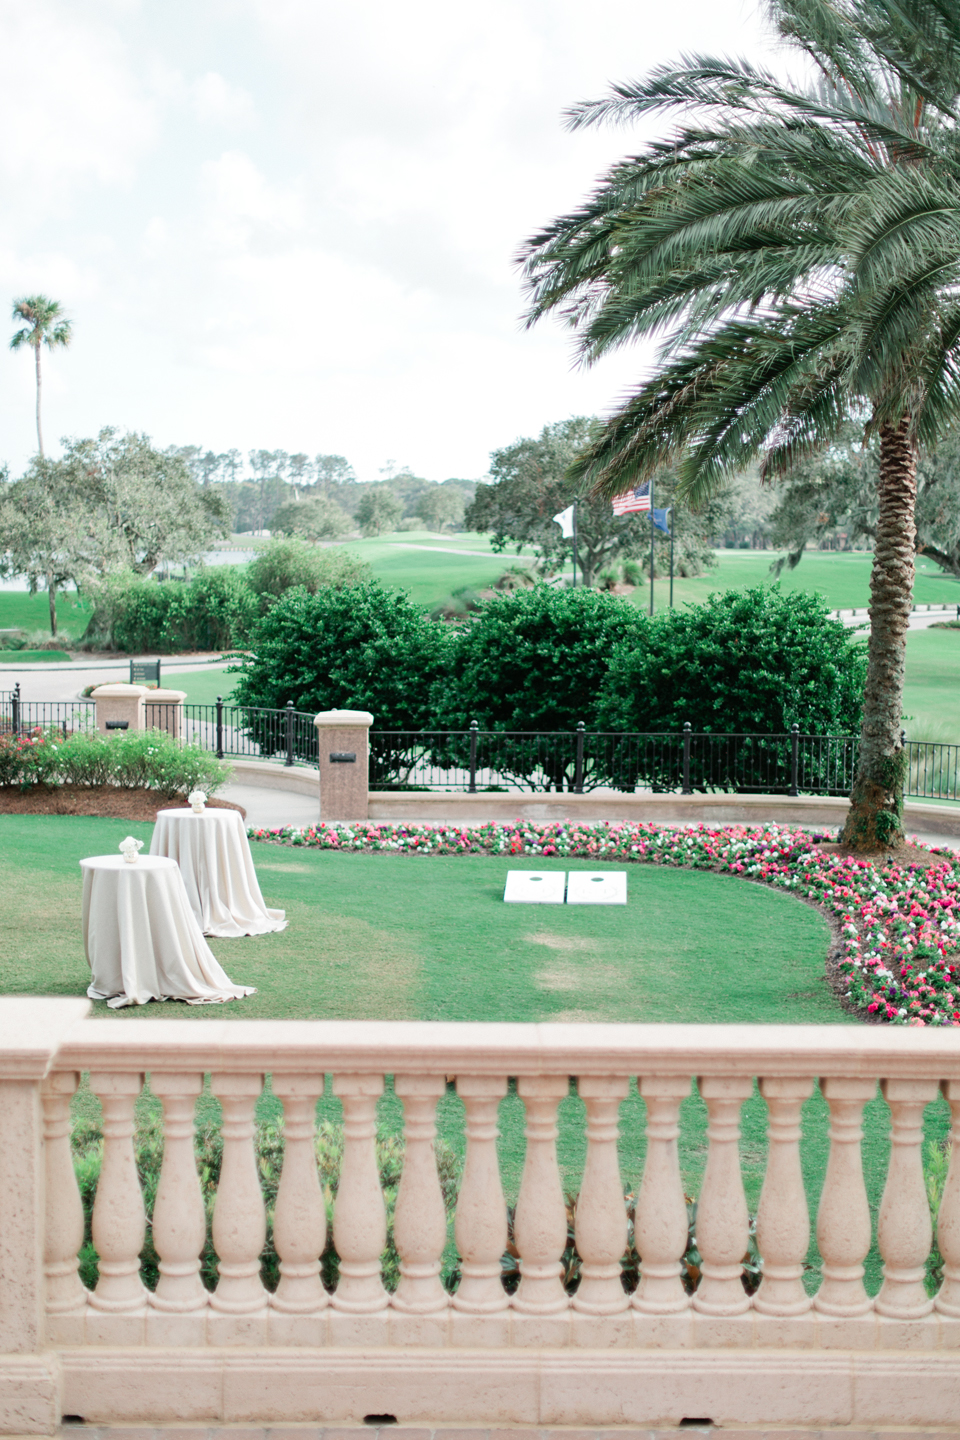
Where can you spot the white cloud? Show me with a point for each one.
(71, 112)
(217, 101)
(305, 237)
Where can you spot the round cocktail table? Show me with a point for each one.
(141, 938)
(213, 853)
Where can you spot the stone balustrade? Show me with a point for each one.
(818, 1354)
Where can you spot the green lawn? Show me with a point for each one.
(20, 611)
(398, 937)
(931, 696)
(419, 562)
(842, 579)
(202, 685)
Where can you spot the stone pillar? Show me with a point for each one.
(343, 745)
(163, 710)
(119, 703)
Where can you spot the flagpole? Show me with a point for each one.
(673, 523)
(574, 544)
(651, 546)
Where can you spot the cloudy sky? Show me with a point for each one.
(291, 223)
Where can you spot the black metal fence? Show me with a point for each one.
(569, 761)
(579, 761)
(18, 715)
(253, 733)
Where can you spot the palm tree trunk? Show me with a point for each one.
(876, 802)
(39, 431)
(52, 597)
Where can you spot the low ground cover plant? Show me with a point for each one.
(137, 759)
(898, 924)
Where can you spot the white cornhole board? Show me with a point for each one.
(534, 887)
(593, 887)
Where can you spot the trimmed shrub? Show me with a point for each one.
(359, 647)
(754, 661)
(535, 659)
(135, 759)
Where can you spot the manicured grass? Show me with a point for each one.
(428, 574)
(21, 611)
(842, 579)
(202, 685)
(931, 695)
(33, 657)
(402, 937)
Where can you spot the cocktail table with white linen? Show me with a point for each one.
(141, 938)
(213, 853)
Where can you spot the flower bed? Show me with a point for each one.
(898, 924)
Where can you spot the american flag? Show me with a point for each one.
(638, 499)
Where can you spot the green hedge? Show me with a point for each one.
(138, 759)
(217, 610)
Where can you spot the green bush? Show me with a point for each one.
(359, 647)
(217, 610)
(135, 759)
(753, 661)
(535, 659)
(283, 564)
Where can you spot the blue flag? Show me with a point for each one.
(660, 520)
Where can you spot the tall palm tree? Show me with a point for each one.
(45, 325)
(797, 248)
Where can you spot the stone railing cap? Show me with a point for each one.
(343, 717)
(32, 1029)
(120, 688)
(165, 695)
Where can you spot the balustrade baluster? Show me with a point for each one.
(179, 1220)
(239, 1214)
(359, 1217)
(660, 1222)
(540, 1224)
(119, 1222)
(723, 1223)
(948, 1219)
(481, 1224)
(299, 1217)
(904, 1229)
(601, 1218)
(65, 1295)
(843, 1219)
(420, 1219)
(783, 1220)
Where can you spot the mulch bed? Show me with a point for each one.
(108, 801)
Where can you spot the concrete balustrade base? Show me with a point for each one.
(429, 1387)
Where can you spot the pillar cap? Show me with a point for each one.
(119, 689)
(165, 696)
(341, 718)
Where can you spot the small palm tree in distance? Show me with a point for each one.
(47, 325)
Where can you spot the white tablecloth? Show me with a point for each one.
(213, 853)
(141, 938)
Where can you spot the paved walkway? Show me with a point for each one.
(269, 809)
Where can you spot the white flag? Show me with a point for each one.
(565, 521)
